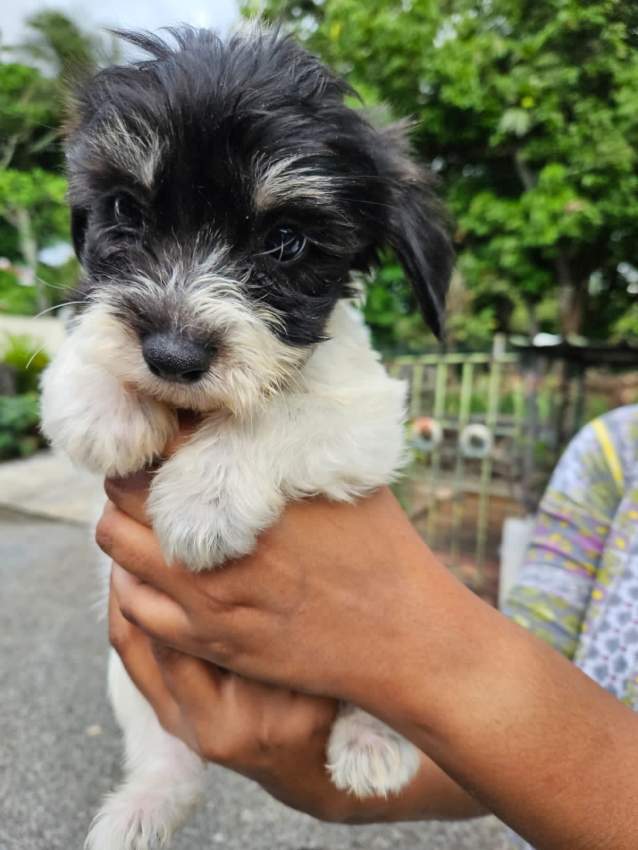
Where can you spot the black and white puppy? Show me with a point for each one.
(223, 199)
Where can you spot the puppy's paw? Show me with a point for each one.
(130, 822)
(198, 530)
(367, 758)
(126, 442)
(105, 427)
(203, 514)
(139, 818)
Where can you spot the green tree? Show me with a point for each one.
(67, 52)
(32, 204)
(55, 41)
(33, 212)
(28, 118)
(528, 112)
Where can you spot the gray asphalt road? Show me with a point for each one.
(59, 749)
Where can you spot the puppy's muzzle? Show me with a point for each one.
(176, 358)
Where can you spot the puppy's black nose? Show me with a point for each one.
(175, 358)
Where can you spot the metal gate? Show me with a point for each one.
(486, 431)
(466, 415)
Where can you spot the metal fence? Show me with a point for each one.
(486, 431)
(462, 433)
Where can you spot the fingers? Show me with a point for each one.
(218, 726)
(136, 652)
(128, 542)
(188, 422)
(130, 494)
(195, 683)
(151, 610)
(223, 712)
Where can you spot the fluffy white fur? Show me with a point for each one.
(273, 430)
(368, 758)
(164, 779)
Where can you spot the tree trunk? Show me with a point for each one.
(29, 249)
(572, 298)
(532, 318)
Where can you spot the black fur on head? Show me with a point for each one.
(217, 161)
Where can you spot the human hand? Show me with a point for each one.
(346, 601)
(273, 736)
(270, 735)
(293, 613)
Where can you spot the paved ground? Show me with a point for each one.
(48, 485)
(59, 748)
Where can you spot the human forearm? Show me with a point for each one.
(537, 741)
(431, 795)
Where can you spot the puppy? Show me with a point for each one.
(223, 200)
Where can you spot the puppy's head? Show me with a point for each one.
(222, 195)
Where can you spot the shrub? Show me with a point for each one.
(24, 355)
(14, 298)
(19, 420)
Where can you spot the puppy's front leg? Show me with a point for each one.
(209, 502)
(94, 418)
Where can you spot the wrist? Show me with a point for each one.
(488, 702)
(420, 643)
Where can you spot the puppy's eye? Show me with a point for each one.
(285, 244)
(126, 211)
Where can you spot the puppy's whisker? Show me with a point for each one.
(33, 356)
(49, 285)
(279, 249)
(56, 307)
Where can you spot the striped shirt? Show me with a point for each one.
(578, 589)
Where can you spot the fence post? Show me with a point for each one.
(486, 464)
(465, 410)
(435, 462)
(530, 368)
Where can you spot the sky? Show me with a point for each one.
(133, 14)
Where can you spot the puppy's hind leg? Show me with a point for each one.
(367, 758)
(163, 778)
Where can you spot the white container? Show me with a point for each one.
(515, 538)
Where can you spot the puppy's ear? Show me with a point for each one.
(418, 229)
(78, 230)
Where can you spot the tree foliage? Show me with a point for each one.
(28, 117)
(55, 41)
(528, 112)
(34, 79)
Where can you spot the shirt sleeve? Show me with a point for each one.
(553, 590)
